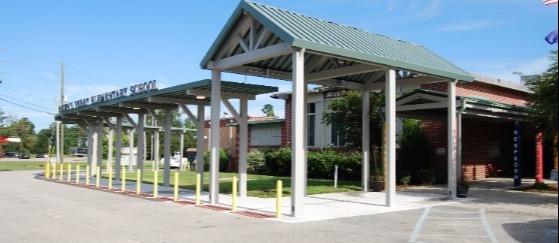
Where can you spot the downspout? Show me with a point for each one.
(459, 159)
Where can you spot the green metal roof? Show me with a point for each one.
(179, 91)
(473, 100)
(327, 37)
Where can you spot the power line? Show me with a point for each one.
(25, 102)
(50, 113)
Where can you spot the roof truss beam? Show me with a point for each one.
(146, 106)
(342, 71)
(121, 110)
(407, 81)
(251, 56)
(224, 95)
(167, 100)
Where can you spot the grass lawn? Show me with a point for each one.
(21, 165)
(257, 185)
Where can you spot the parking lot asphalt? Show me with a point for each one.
(37, 210)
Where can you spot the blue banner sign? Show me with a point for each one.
(517, 156)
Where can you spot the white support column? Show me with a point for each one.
(200, 142)
(118, 152)
(94, 143)
(366, 133)
(58, 152)
(90, 142)
(167, 149)
(181, 149)
(305, 136)
(100, 136)
(452, 139)
(298, 145)
(243, 147)
(141, 145)
(214, 136)
(156, 150)
(110, 136)
(130, 149)
(390, 136)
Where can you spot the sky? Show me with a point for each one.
(111, 44)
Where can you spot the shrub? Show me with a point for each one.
(321, 164)
(256, 161)
(426, 177)
(405, 180)
(278, 162)
(223, 161)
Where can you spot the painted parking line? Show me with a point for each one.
(445, 224)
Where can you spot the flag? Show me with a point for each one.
(551, 38)
(549, 2)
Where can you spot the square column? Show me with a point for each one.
(141, 145)
(298, 145)
(167, 149)
(390, 136)
(99, 148)
(452, 148)
(200, 141)
(366, 147)
(118, 154)
(243, 147)
(214, 135)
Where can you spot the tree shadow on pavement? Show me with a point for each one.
(544, 230)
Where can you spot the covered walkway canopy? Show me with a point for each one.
(269, 42)
(109, 109)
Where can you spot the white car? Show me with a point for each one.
(175, 162)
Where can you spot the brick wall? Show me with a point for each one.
(286, 128)
(478, 138)
(483, 90)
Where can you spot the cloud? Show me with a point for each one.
(475, 25)
(505, 69)
(431, 10)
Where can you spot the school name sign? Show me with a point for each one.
(136, 89)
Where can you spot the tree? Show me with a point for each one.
(543, 100)
(2, 117)
(23, 129)
(414, 147)
(268, 110)
(345, 115)
(43, 141)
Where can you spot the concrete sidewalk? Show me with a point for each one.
(315, 207)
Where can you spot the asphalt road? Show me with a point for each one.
(35, 210)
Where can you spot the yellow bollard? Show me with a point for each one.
(279, 188)
(138, 182)
(98, 176)
(69, 170)
(176, 187)
(123, 177)
(54, 171)
(198, 178)
(110, 177)
(61, 176)
(77, 174)
(155, 185)
(87, 175)
(234, 194)
(47, 170)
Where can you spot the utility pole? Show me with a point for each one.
(62, 101)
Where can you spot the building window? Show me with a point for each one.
(337, 139)
(311, 115)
